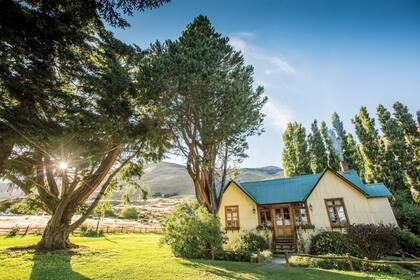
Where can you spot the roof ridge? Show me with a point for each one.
(279, 179)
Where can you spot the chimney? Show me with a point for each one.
(344, 166)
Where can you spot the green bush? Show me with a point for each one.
(86, 232)
(191, 231)
(13, 231)
(234, 256)
(409, 242)
(24, 207)
(372, 241)
(251, 242)
(329, 242)
(129, 212)
(344, 265)
(408, 215)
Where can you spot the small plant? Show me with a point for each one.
(86, 232)
(130, 212)
(372, 241)
(13, 231)
(251, 242)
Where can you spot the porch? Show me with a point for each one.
(284, 219)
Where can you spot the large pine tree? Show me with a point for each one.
(328, 137)
(296, 160)
(317, 151)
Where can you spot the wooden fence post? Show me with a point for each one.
(286, 256)
(212, 253)
(349, 260)
(26, 230)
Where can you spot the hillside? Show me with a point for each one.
(170, 178)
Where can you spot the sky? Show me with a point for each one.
(313, 57)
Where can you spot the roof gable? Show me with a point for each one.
(298, 188)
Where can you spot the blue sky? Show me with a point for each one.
(313, 57)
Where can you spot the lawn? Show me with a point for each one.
(139, 256)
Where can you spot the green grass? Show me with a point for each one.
(138, 256)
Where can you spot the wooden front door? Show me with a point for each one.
(283, 222)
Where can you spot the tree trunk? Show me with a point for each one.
(55, 237)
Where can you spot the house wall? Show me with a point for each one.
(247, 219)
(381, 210)
(360, 210)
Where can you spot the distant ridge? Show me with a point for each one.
(169, 178)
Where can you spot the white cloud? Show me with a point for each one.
(271, 64)
(271, 71)
(277, 115)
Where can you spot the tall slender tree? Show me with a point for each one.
(317, 151)
(370, 148)
(327, 137)
(411, 138)
(210, 101)
(296, 159)
(396, 155)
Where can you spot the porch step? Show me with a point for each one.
(284, 244)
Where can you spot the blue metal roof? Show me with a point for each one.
(296, 189)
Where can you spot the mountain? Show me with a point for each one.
(171, 178)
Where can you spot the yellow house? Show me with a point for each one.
(297, 207)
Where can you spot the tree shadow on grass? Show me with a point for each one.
(54, 265)
(241, 270)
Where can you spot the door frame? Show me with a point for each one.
(272, 213)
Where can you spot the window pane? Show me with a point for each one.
(278, 218)
(304, 217)
(286, 215)
(338, 202)
(268, 215)
(341, 215)
(332, 215)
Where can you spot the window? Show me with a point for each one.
(265, 216)
(336, 212)
(232, 217)
(301, 214)
(282, 217)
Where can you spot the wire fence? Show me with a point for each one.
(23, 230)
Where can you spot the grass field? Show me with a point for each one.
(139, 256)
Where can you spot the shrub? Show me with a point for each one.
(409, 242)
(344, 265)
(24, 207)
(329, 242)
(234, 256)
(251, 242)
(408, 215)
(372, 241)
(86, 232)
(129, 212)
(190, 230)
(13, 231)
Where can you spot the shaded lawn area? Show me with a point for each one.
(139, 256)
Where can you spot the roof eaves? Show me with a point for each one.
(242, 189)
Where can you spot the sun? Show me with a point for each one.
(62, 165)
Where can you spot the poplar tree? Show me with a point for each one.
(412, 142)
(349, 151)
(396, 154)
(317, 151)
(370, 148)
(295, 156)
(328, 137)
(352, 155)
